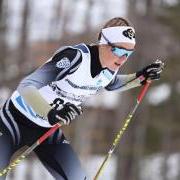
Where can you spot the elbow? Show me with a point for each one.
(23, 88)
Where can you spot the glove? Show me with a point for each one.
(66, 114)
(150, 72)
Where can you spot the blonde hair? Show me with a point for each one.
(117, 21)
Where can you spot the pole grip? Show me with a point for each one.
(49, 132)
(143, 91)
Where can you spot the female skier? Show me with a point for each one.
(55, 91)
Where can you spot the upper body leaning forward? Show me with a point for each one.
(74, 73)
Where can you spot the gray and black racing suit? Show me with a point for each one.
(73, 74)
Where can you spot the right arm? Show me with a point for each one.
(47, 73)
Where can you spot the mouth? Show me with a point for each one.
(117, 64)
(121, 62)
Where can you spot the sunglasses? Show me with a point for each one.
(119, 52)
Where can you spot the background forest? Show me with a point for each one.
(30, 31)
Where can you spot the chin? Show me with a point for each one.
(114, 68)
(117, 66)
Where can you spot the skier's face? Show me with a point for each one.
(113, 57)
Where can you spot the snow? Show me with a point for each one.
(106, 99)
(159, 94)
(151, 168)
(170, 2)
(93, 164)
(34, 171)
(38, 171)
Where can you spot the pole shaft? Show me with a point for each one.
(143, 91)
(123, 129)
(49, 132)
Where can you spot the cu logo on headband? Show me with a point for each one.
(129, 33)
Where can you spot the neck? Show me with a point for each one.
(101, 55)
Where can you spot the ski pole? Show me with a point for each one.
(15, 162)
(123, 129)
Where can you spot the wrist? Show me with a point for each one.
(139, 73)
(52, 117)
(141, 79)
(131, 76)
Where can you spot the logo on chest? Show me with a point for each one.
(63, 63)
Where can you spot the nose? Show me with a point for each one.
(122, 59)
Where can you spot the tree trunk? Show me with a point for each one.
(3, 47)
(70, 10)
(88, 18)
(149, 8)
(23, 56)
(56, 22)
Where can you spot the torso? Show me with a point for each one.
(74, 88)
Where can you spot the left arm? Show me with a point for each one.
(125, 82)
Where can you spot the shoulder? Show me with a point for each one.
(72, 50)
(66, 55)
(84, 48)
(70, 56)
(64, 58)
(67, 58)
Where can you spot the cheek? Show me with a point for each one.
(110, 59)
(123, 61)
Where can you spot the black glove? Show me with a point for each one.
(66, 114)
(150, 72)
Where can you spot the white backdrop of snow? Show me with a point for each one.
(150, 168)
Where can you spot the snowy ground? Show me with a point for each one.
(151, 168)
(37, 171)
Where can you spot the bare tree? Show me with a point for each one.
(67, 16)
(149, 8)
(3, 47)
(132, 8)
(23, 43)
(56, 22)
(88, 18)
